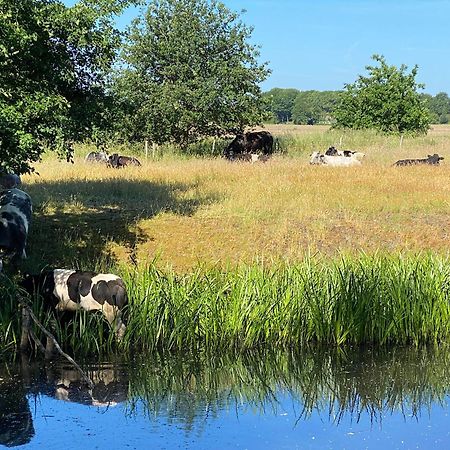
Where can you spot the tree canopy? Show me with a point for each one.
(188, 71)
(280, 103)
(387, 100)
(54, 62)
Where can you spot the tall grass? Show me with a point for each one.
(374, 299)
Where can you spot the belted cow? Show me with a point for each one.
(71, 290)
(15, 218)
(431, 159)
(334, 161)
(252, 142)
(117, 161)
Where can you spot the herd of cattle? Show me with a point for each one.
(70, 290)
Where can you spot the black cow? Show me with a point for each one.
(97, 157)
(117, 161)
(15, 218)
(431, 159)
(252, 142)
(71, 290)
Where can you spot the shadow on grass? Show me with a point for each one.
(74, 222)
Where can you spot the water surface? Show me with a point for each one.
(354, 398)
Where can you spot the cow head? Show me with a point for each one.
(316, 158)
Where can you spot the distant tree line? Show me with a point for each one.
(318, 107)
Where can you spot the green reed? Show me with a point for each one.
(370, 299)
(378, 299)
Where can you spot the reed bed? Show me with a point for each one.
(374, 299)
(370, 299)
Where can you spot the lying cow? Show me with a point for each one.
(9, 181)
(71, 290)
(117, 161)
(250, 157)
(97, 157)
(334, 161)
(252, 142)
(431, 159)
(15, 218)
(332, 151)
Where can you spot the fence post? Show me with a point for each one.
(146, 148)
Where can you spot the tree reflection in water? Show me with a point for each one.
(192, 389)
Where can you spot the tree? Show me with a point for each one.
(439, 107)
(386, 100)
(54, 62)
(280, 103)
(312, 107)
(188, 71)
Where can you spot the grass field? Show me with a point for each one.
(186, 211)
(226, 255)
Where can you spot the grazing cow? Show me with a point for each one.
(15, 218)
(9, 181)
(431, 159)
(254, 142)
(97, 157)
(334, 161)
(117, 161)
(71, 290)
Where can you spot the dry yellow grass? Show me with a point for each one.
(212, 211)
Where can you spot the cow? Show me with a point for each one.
(10, 181)
(97, 157)
(431, 159)
(72, 290)
(15, 219)
(117, 161)
(334, 161)
(332, 151)
(250, 157)
(252, 142)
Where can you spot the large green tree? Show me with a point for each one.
(54, 62)
(386, 100)
(189, 71)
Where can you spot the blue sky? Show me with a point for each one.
(322, 44)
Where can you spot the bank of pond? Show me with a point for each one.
(371, 299)
(351, 397)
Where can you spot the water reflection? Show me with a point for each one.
(193, 390)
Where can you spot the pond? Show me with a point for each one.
(350, 398)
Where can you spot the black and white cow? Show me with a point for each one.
(15, 218)
(117, 161)
(97, 157)
(71, 290)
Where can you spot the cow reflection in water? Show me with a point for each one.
(61, 382)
